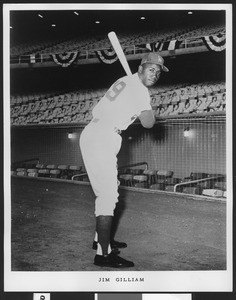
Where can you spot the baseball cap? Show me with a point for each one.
(154, 58)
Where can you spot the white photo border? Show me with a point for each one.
(155, 281)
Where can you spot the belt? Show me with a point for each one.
(115, 129)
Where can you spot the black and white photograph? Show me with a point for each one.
(118, 148)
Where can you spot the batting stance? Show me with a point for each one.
(125, 101)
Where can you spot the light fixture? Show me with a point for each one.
(11, 27)
(142, 18)
(53, 25)
(97, 22)
(40, 16)
(189, 133)
(71, 135)
(190, 13)
(186, 132)
(75, 12)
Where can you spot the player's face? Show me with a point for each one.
(149, 74)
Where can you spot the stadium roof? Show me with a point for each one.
(27, 25)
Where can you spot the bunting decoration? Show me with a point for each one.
(162, 46)
(34, 58)
(65, 59)
(107, 56)
(215, 42)
(174, 45)
(143, 46)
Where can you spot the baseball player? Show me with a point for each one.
(125, 101)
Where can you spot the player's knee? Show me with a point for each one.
(105, 206)
(105, 211)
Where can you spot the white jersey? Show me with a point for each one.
(123, 102)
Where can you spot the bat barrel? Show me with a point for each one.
(119, 51)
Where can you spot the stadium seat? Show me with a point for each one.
(168, 111)
(167, 99)
(134, 171)
(162, 175)
(201, 91)
(55, 173)
(140, 181)
(40, 166)
(215, 88)
(73, 170)
(175, 110)
(151, 176)
(222, 88)
(172, 180)
(21, 173)
(126, 179)
(220, 185)
(192, 106)
(208, 90)
(189, 91)
(43, 173)
(181, 108)
(59, 102)
(202, 105)
(21, 170)
(197, 190)
(196, 176)
(175, 98)
(212, 192)
(51, 167)
(30, 170)
(32, 174)
(64, 171)
(183, 95)
(216, 103)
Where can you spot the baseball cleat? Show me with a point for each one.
(112, 260)
(114, 245)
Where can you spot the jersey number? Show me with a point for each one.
(116, 90)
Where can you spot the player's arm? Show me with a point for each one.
(147, 118)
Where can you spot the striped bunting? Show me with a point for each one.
(107, 56)
(34, 58)
(162, 46)
(215, 42)
(65, 59)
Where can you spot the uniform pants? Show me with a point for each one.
(100, 146)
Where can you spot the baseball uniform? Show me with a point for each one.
(100, 140)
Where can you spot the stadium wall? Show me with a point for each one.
(165, 147)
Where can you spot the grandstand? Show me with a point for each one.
(27, 109)
(127, 41)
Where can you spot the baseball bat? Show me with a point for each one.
(119, 51)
